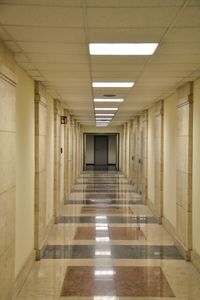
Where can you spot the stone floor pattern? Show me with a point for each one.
(107, 245)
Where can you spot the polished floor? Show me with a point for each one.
(107, 245)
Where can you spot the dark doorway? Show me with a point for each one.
(100, 150)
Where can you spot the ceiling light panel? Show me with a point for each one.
(104, 115)
(108, 100)
(122, 49)
(113, 84)
(106, 108)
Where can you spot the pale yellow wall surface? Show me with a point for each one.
(50, 158)
(196, 169)
(169, 188)
(151, 154)
(94, 129)
(24, 169)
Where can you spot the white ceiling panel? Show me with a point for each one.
(50, 41)
(134, 3)
(184, 35)
(131, 17)
(61, 58)
(41, 16)
(46, 34)
(177, 58)
(116, 67)
(60, 67)
(113, 75)
(189, 17)
(123, 60)
(180, 48)
(123, 35)
(56, 75)
(55, 48)
(75, 3)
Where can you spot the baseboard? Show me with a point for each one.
(195, 258)
(152, 208)
(185, 252)
(171, 230)
(24, 272)
(40, 251)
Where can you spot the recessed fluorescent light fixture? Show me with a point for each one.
(101, 125)
(108, 100)
(113, 84)
(122, 48)
(103, 119)
(104, 115)
(106, 108)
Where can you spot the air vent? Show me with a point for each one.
(109, 95)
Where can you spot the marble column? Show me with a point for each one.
(40, 168)
(67, 157)
(142, 155)
(131, 152)
(128, 149)
(159, 128)
(8, 172)
(57, 156)
(184, 168)
(135, 157)
(124, 147)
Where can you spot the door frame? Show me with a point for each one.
(117, 134)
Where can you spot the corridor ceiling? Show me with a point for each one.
(50, 40)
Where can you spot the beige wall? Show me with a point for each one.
(169, 189)
(25, 164)
(196, 169)
(7, 173)
(151, 155)
(94, 129)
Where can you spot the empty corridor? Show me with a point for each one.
(107, 245)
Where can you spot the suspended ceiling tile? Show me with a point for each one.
(125, 35)
(116, 67)
(44, 2)
(189, 17)
(41, 16)
(180, 48)
(60, 67)
(133, 3)
(46, 34)
(131, 17)
(55, 48)
(178, 34)
(61, 58)
(123, 60)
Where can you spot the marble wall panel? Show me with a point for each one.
(159, 114)
(8, 172)
(184, 167)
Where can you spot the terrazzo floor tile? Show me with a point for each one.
(116, 281)
(107, 245)
(112, 233)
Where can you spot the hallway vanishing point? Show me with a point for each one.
(107, 245)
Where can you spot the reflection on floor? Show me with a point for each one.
(107, 245)
(101, 167)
